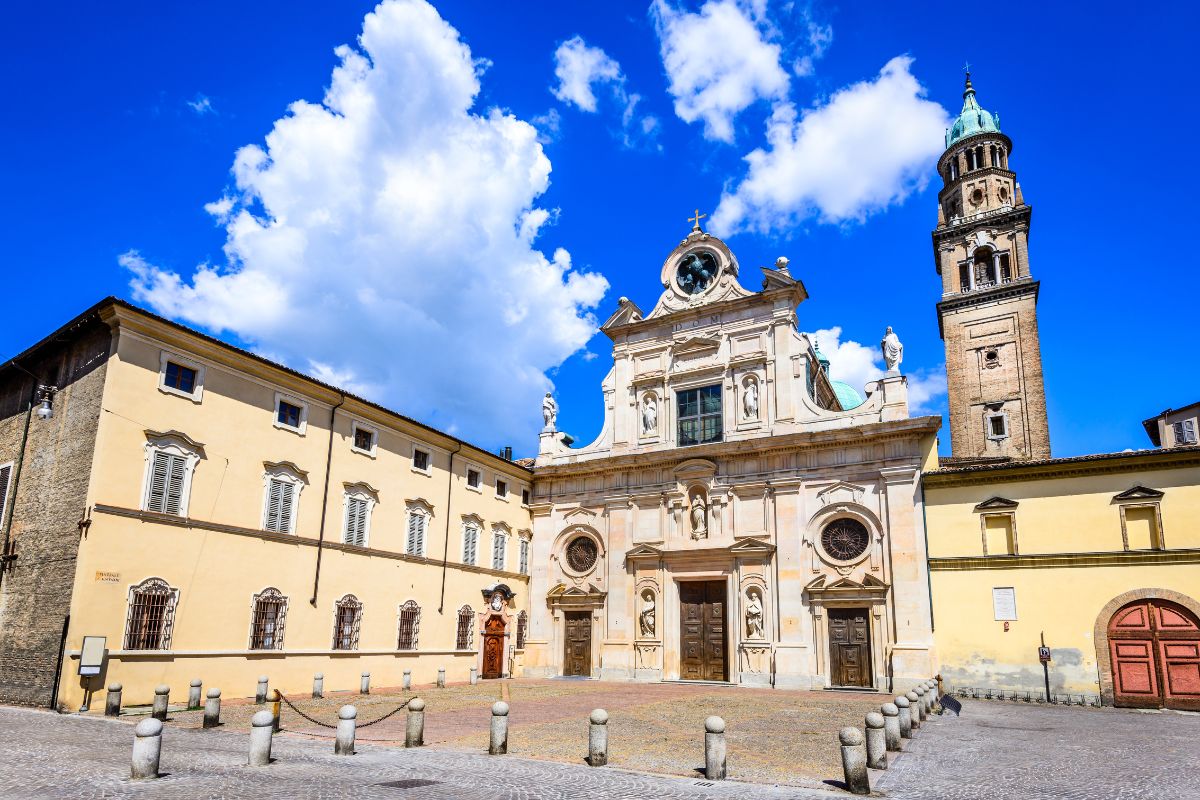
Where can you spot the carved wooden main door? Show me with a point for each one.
(493, 648)
(849, 647)
(577, 658)
(1155, 648)
(702, 631)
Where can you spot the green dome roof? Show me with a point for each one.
(972, 119)
(846, 395)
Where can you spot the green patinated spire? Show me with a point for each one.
(972, 119)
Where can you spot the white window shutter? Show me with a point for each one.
(286, 492)
(1189, 431)
(175, 478)
(414, 533)
(159, 470)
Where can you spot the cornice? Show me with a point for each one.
(980, 137)
(1117, 558)
(950, 187)
(1022, 213)
(1005, 291)
(1053, 469)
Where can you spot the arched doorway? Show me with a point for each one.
(1154, 645)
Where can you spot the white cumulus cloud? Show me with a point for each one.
(865, 148)
(719, 61)
(384, 237)
(580, 68)
(857, 364)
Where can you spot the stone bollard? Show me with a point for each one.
(902, 705)
(406, 684)
(318, 685)
(147, 748)
(260, 694)
(498, 744)
(262, 726)
(714, 748)
(162, 694)
(112, 702)
(414, 731)
(276, 708)
(923, 703)
(918, 708)
(598, 738)
(891, 726)
(364, 685)
(914, 711)
(854, 761)
(212, 709)
(474, 675)
(876, 741)
(441, 678)
(194, 694)
(343, 745)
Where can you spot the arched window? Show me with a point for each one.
(522, 626)
(418, 523)
(347, 618)
(410, 623)
(356, 517)
(268, 614)
(470, 534)
(281, 494)
(985, 268)
(523, 555)
(463, 637)
(151, 615)
(499, 547)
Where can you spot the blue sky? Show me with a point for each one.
(493, 177)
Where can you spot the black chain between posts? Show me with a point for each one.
(391, 713)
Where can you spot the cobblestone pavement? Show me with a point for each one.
(1004, 751)
(51, 756)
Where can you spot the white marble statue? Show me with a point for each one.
(754, 616)
(750, 400)
(646, 618)
(550, 412)
(649, 414)
(699, 513)
(893, 350)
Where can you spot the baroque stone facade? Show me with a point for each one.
(733, 521)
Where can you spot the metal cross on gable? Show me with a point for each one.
(967, 67)
(696, 219)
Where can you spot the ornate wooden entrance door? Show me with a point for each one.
(577, 657)
(849, 647)
(702, 631)
(493, 648)
(1155, 648)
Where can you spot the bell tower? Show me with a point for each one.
(988, 312)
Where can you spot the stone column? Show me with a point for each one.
(854, 761)
(598, 738)
(414, 729)
(162, 694)
(343, 745)
(147, 748)
(891, 726)
(262, 727)
(498, 744)
(194, 694)
(788, 576)
(112, 702)
(714, 749)
(876, 741)
(911, 656)
(212, 708)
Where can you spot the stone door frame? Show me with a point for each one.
(1100, 631)
(875, 601)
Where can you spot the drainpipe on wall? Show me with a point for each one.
(16, 478)
(325, 500)
(446, 544)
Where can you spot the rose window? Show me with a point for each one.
(845, 539)
(581, 554)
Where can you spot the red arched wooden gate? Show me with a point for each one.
(1155, 647)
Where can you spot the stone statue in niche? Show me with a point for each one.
(649, 414)
(750, 400)
(754, 615)
(893, 350)
(550, 412)
(699, 516)
(646, 618)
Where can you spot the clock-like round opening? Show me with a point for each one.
(582, 554)
(696, 271)
(845, 539)
(977, 197)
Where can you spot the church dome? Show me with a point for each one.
(846, 395)
(972, 119)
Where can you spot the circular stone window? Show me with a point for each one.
(1004, 193)
(696, 271)
(845, 539)
(977, 197)
(581, 554)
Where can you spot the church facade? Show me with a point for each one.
(740, 517)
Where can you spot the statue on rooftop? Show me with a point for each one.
(893, 350)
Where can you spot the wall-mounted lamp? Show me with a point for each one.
(46, 401)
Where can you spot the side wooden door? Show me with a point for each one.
(493, 648)
(577, 655)
(702, 631)
(849, 647)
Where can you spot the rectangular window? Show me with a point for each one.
(1004, 603)
(1005, 269)
(474, 478)
(364, 439)
(1141, 528)
(523, 566)
(997, 426)
(699, 412)
(499, 540)
(524, 497)
(266, 630)
(345, 624)
(420, 460)
(415, 546)
(167, 474)
(288, 415)
(356, 522)
(410, 618)
(998, 539)
(964, 277)
(180, 377)
(501, 488)
(278, 517)
(470, 544)
(1185, 431)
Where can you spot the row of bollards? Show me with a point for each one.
(884, 732)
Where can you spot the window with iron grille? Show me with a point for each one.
(269, 612)
(151, 615)
(418, 521)
(499, 544)
(699, 415)
(463, 637)
(523, 562)
(410, 623)
(280, 504)
(522, 625)
(347, 617)
(470, 542)
(357, 521)
(166, 483)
